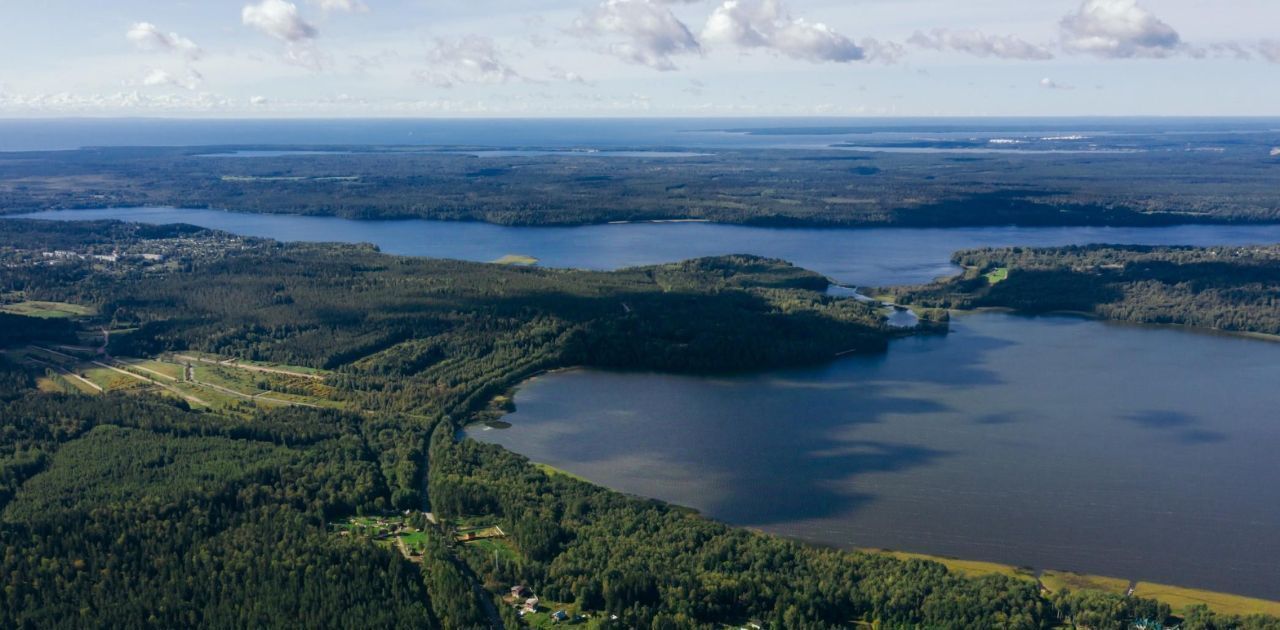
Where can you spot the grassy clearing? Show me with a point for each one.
(54, 385)
(150, 367)
(971, 568)
(1055, 581)
(997, 276)
(552, 471)
(46, 310)
(247, 365)
(230, 379)
(110, 380)
(516, 259)
(1181, 598)
(496, 546)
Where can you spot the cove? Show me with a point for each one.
(1053, 442)
(865, 256)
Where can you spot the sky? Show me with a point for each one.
(638, 58)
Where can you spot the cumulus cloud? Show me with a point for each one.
(157, 77)
(1118, 29)
(767, 24)
(348, 6)
(1050, 84)
(471, 59)
(643, 32)
(148, 36)
(279, 19)
(979, 44)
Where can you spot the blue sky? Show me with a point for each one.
(370, 58)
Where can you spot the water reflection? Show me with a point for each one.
(1053, 442)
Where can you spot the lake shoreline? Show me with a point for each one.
(787, 223)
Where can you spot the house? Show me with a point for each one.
(531, 604)
(519, 591)
(560, 615)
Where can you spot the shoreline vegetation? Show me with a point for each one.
(1228, 289)
(124, 505)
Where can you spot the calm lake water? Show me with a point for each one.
(879, 257)
(1057, 442)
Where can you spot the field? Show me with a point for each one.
(998, 276)
(46, 309)
(159, 369)
(218, 383)
(1057, 580)
(516, 259)
(972, 568)
(253, 366)
(1181, 598)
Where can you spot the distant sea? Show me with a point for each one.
(73, 133)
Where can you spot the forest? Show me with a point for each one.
(1234, 289)
(1153, 182)
(132, 510)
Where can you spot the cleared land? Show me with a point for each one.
(1181, 598)
(1176, 597)
(46, 309)
(516, 259)
(972, 568)
(1055, 581)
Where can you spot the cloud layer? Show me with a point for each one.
(979, 44)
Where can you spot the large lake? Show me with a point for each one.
(1053, 442)
(873, 256)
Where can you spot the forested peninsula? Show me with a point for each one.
(137, 489)
(1234, 289)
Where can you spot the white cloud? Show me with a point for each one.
(767, 24)
(348, 6)
(643, 32)
(1118, 29)
(258, 101)
(148, 36)
(1050, 84)
(157, 77)
(279, 19)
(979, 44)
(470, 59)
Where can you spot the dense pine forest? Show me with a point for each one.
(1234, 289)
(1163, 185)
(140, 510)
